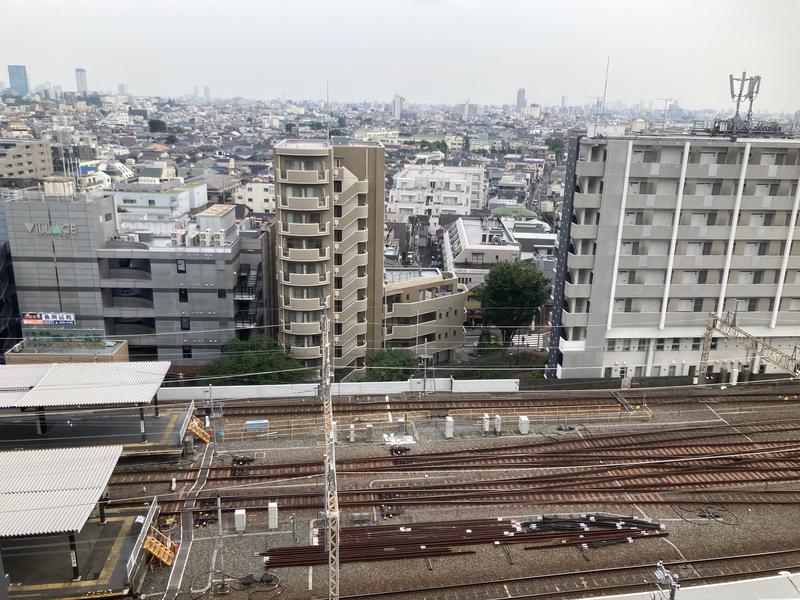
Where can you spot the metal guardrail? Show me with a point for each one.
(137, 547)
(185, 424)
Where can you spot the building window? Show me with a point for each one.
(337, 186)
(659, 344)
(695, 343)
(151, 202)
(185, 325)
(181, 264)
(337, 306)
(187, 352)
(183, 295)
(608, 372)
(107, 217)
(222, 294)
(676, 344)
(642, 345)
(128, 201)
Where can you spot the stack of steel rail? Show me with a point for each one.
(420, 540)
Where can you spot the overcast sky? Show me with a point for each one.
(438, 51)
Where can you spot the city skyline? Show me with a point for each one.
(557, 57)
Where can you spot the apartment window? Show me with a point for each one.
(656, 371)
(337, 329)
(337, 235)
(752, 304)
(698, 305)
(337, 210)
(659, 344)
(642, 345)
(187, 352)
(626, 345)
(692, 370)
(181, 264)
(477, 258)
(623, 305)
(151, 202)
(183, 295)
(695, 343)
(676, 344)
(222, 294)
(637, 372)
(107, 217)
(672, 371)
(611, 345)
(608, 372)
(337, 283)
(337, 306)
(702, 276)
(185, 324)
(128, 201)
(337, 186)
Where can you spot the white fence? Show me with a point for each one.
(137, 547)
(307, 390)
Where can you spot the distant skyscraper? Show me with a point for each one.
(2, 85)
(122, 89)
(18, 79)
(397, 106)
(563, 101)
(521, 102)
(207, 93)
(80, 78)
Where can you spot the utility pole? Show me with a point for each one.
(331, 491)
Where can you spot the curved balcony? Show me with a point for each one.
(306, 352)
(358, 351)
(304, 278)
(304, 254)
(300, 203)
(351, 287)
(357, 260)
(304, 229)
(312, 328)
(349, 311)
(303, 177)
(349, 333)
(357, 212)
(301, 303)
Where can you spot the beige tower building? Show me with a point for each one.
(329, 248)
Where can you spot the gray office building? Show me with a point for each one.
(658, 232)
(178, 296)
(18, 79)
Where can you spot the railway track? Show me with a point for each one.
(575, 584)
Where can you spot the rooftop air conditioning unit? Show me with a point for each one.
(217, 243)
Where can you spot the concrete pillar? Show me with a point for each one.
(102, 506)
(498, 424)
(756, 361)
(73, 555)
(449, 428)
(369, 436)
(272, 511)
(141, 423)
(524, 425)
(352, 433)
(651, 353)
(734, 376)
(155, 403)
(485, 424)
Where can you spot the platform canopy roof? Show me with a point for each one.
(82, 384)
(52, 491)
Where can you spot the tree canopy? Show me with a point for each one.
(556, 145)
(391, 365)
(261, 355)
(157, 126)
(511, 294)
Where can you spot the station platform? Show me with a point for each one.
(163, 437)
(40, 568)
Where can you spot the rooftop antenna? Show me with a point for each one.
(605, 86)
(328, 105)
(748, 90)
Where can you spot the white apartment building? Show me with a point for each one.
(435, 190)
(257, 195)
(658, 232)
(386, 136)
(472, 245)
(154, 206)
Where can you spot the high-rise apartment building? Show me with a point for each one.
(521, 101)
(18, 79)
(80, 80)
(207, 93)
(658, 232)
(329, 247)
(25, 158)
(398, 104)
(122, 89)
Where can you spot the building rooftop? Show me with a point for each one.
(216, 210)
(408, 274)
(302, 145)
(475, 228)
(52, 491)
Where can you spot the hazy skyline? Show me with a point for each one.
(429, 51)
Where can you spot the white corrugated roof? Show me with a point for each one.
(10, 399)
(22, 377)
(52, 491)
(82, 384)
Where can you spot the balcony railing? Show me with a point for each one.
(244, 292)
(246, 320)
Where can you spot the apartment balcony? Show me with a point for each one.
(301, 303)
(703, 233)
(303, 177)
(587, 200)
(643, 261)
(758, 203)
(353, 330)
(245, 320)
(580, 261)
(304, 229)
(751, 290)
(124, 276)
(351, 191)
(349, 357)
(583, 232)
(304, 254)
(693, 290)
(585, 168)
(356, 260)
(312, 328)
(357, 212)
(645, 232)
(665, 201)
(348, 241)
(573, 290)
(136, 302)
(351, 309)
(646, 319)
(306, 352)
(773, 172)
(655, 170)
(695, 262)
(762, 232)
(314, 279)
(298, 203)
(245, 292)
(569, 319)
(350, 288)
(698, 171)
(747, 263)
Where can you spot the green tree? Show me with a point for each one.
(466, 143)
(157, 126)
(260, 355)
(391, 365)
(556, 145)
(512, 293)
(341, 121)
(171, 139)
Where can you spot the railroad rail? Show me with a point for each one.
(573, 584)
